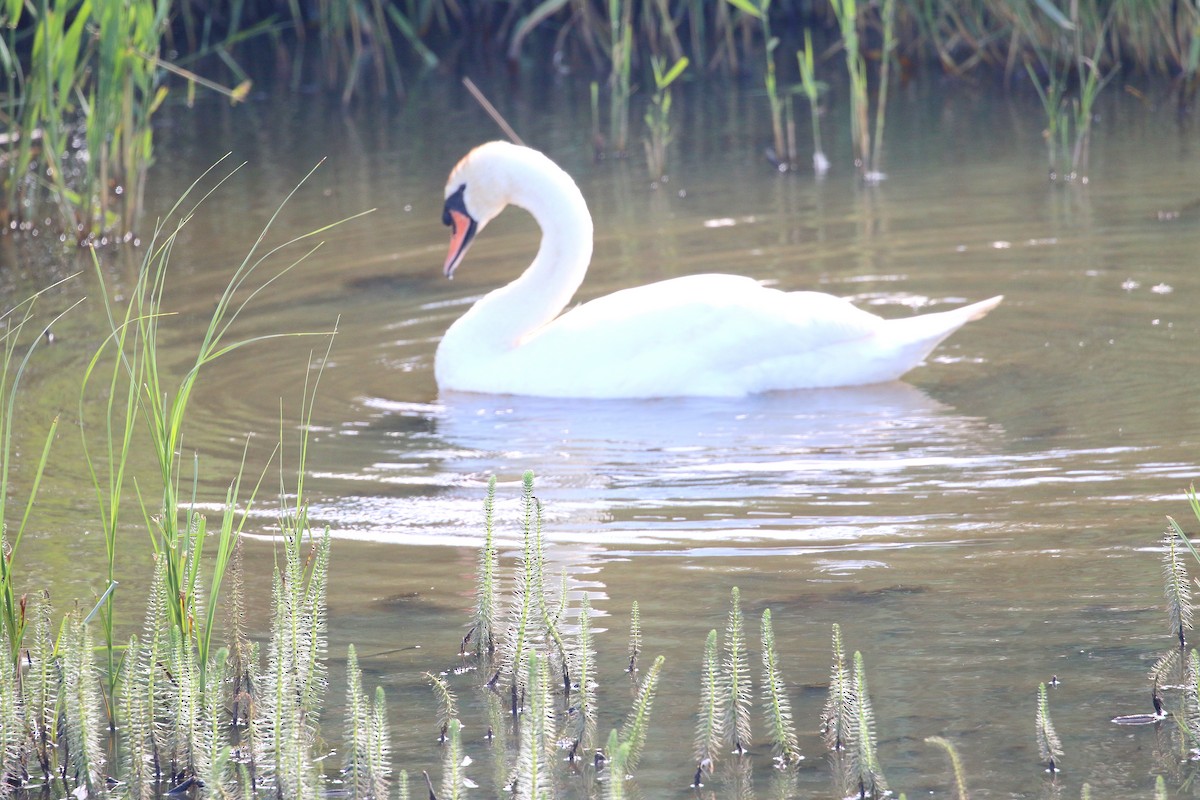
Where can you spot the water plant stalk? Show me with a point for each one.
(658, 116)
(620, 87)
(1049, 745)
(812, 91)
(777, 708)
(735, 678)
(13, 363)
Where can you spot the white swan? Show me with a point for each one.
(715, 335)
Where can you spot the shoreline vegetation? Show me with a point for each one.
(84, 78)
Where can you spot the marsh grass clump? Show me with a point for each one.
(1067, 63)
(868, 146)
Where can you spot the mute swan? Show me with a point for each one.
(715, 335)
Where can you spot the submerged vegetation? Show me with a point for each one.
(85, 78)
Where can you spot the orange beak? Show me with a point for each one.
(462, 229)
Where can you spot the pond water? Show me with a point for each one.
(986, 524)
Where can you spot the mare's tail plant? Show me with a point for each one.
(290, 703)
(535, 759)
(837, 719)
(865, 769)
(583, 714)
(637, 723)
(519, 640)
(366, 764)
(1177, 585)
(482, 635)
(618, 769)
(635, 638)
(710, 723)
(1049, 746)
(80, 732)
(777, 709)
(446, 704)
(960, 782)
(454, 782)
(735, 678)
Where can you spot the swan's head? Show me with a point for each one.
(479, 187)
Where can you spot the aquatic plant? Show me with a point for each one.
(621, 59)
(866, 157)
(710, 722)
(15, 356)
(812, 89)
(658, 116)
(618, 757)
(1050, 750)
(784, 156)
(1063, 61)
(447, 705)
(777, 709)
(454, 781)
(139, 391)
(637, 722)
(865, 770)
(735, 678)
(960, 782)
(582, 728)
(635, 638)
(837, 718)
(537, 734)
(482, 633)
(1177, 585)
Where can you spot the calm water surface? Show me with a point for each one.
(984, 525)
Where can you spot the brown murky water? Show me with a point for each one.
(984, 525)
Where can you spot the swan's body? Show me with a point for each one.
(716, 335)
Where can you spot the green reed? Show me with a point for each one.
(812, 89)
(785, 155)
(658, 116)
(110, 79)
(1067, 62)
(139, 392)
(868, 157)
(17, 349)
(620, 14)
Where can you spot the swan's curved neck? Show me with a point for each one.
(509, 315)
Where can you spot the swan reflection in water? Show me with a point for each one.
(777, 466)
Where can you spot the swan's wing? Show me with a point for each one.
(714, 330)
(715, 313)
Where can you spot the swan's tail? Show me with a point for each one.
(917, 336)
(978, 310)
